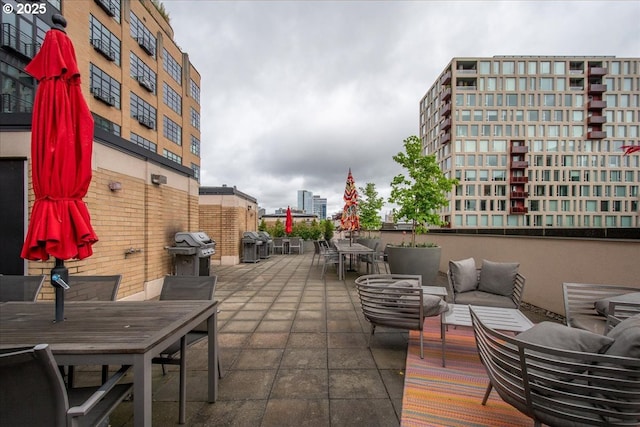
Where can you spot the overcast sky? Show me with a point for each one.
(295, 93)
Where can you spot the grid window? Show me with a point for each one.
(142, 35)
(196, 171)
(171, 130)
(104, 87)
(171, 66)
(142, 73)
(113, 7)
(194, 90)
(103, 40)
(171, 98)
(143, 112)
(195, 146)
(195, 119)
(106, 125)
(144, 142)
(172, 156)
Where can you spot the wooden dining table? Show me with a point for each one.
(350, 248)
(113, 333)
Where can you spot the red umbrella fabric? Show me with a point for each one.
(288, 224)
(61, 149)
(350, 220)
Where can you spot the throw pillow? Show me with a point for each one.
(498, 277)
(627, 338)
(602, 306)
(464, 275)
(556, 335)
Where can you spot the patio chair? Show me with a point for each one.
(585, 304)
(499, 285)
(175, 288)
(278, 245)
(33, 393)
(397, 301)
(20, 288)
(92, 288)
(581, 379)
(317, 252)
(329, 257)
(295, 243)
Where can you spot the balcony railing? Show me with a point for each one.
(597, 71)
(103, 49)
(519, 149)
(446, 124)
(445, 138)
(103, 95)
(145, 121)
(596, 105)
(446, 78)
(518, 210)
(12, 104)
(519, 194)
(519, 179)
(596, 134)
(146, 44)
(19, 42)
(445, 109)
(596, 120)
(107, 6)
(519, 164)
(597, 88)
(445, 94)
(146, 83)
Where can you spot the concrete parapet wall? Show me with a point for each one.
(546, 262)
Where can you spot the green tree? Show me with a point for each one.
(369, 206)
(328, 227)
(422, 191)
(262, 226)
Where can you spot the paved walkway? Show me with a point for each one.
(294, 351)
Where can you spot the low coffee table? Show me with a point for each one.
(501, 319)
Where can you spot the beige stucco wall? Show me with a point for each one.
(545, 262)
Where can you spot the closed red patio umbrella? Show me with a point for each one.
(61, 149)
(288, 224)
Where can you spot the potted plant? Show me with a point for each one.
(419, 194)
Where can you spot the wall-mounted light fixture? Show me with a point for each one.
(115, 186)
(249, 207)
(158, 179)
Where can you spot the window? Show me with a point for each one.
(195, 118)
(106, 125)
(508, 67)
(511, 100)
(18, 89)
(196, 171)
(558, 68)
(171, 98)
(143, 142)
(545, 67)
(194, 91)
(172, 156)
(549, 100)
(171, 130)
(546, 83)
(171, 66)
(195, 146)
(532, 115)
(104, 87)
(141, 72)
(142, 35)
(143, 112)
(104, 41)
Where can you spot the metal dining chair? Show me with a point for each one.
(92, 288)
(20, 288)
(175, 288)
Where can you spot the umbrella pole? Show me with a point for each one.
(59, 279)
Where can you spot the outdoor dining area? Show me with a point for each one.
(291, 347)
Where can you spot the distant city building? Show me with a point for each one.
(320, 207)
(536, 140)
(305, 201)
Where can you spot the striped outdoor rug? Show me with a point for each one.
(451, 396)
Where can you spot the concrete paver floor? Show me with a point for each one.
(294, 353)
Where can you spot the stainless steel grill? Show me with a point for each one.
(192, 252)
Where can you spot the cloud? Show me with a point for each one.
(294, 93)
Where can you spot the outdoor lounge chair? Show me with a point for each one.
(397, 301)
(295, 243)
(32, 392)
(585, 304)
(175, 288)
(563, 376)
(20, 288)
(499, 285)
(278, 245)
